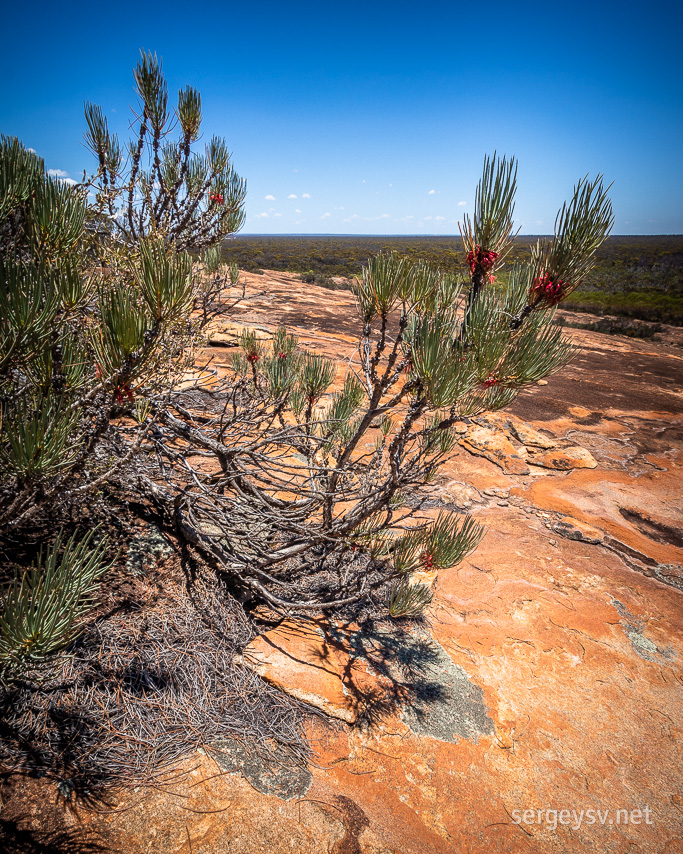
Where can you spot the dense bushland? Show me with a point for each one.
(640, 276)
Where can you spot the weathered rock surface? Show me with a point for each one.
(550, 677)
(312, 666)
(572, 529)
(495, 445)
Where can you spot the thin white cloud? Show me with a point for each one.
(57, 173)
(431, 192)
(439, 218)
(297, 210)
(69, 181)
(326, 215)
(277, 214)
(460, 204)
(269, 198)
(32, 150)
(305, 195)
(292, 196)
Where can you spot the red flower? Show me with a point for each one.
(549, 290)
(282, 356)
(121, 390)
(216, 198)
(490, 380)
(252, 357)
(480, 258)
(427, 560)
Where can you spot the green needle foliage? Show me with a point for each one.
(191, 199)
(408, 600)
(45, 605)
(313, 494)
(96, 323)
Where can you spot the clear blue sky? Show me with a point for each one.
(374, 117)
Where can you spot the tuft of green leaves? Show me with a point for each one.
(408, 600)
(44, 606)
(581, 227)
(494, 206)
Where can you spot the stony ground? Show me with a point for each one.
(541, 708)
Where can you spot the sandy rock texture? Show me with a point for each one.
(547, 684)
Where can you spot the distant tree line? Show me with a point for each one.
(634, 276)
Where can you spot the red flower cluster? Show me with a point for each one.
(216, 198)
(427, 560)
(120, 391)
(482, 259)
(252, 357)
(549, 290)
(490, 380)
(282, 356)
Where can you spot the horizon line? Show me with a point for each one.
(456, 236)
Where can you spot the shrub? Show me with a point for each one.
(88, 353)
(293, 476)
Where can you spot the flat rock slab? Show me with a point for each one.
(498, 439)
(496, 446)
(550, 677)
(303, 659)
(573, 529)
(565, 459)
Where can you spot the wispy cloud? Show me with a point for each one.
(439, 218)
(355, 217)
(431, 192)
(460, 204)
(297, 210)
(269, 198)
(326, 215)
(305, 195)
(61, 175)
(292, 196)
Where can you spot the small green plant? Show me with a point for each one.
(408, 600)
(45, 605)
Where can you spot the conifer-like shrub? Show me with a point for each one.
(294, 479)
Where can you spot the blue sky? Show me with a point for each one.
(374, 118)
